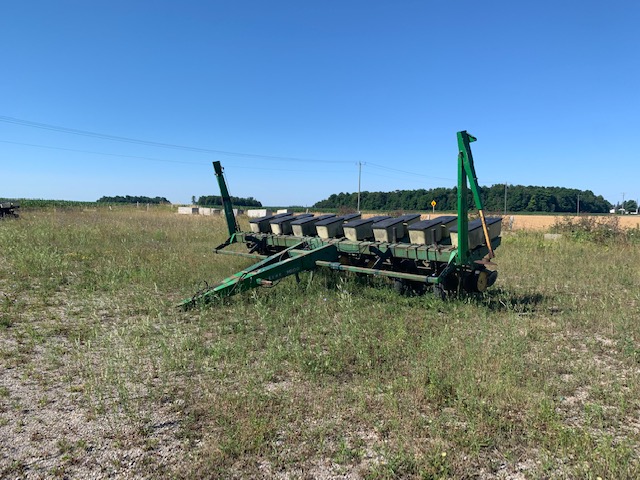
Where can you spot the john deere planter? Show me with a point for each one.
(445, 254)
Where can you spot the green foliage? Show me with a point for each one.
(213, 200)
(41, 203)
(596, 229)
(519, 199)
(628, 205)
(134, 199)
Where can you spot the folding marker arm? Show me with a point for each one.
(232, 224)
(283, 264)
(467, 171)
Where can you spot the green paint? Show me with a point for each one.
(431, 264)
(232, 225)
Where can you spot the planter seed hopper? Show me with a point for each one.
(446, 254)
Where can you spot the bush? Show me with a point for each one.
(595, 229)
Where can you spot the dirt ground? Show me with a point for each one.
(545, 222)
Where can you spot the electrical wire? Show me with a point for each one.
(408, 173)
(413, 174)
(288, 170)
(90, 152)
(389, 177)
(103, 153)
(104, 136)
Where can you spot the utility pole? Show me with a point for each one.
(359, 178)
(505, 198)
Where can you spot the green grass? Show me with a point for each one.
(540, 375)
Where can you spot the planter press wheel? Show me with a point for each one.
(479, 280)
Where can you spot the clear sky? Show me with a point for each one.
(291, 94)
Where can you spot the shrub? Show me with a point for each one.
(595, 229)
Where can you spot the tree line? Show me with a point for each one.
(519, 198)
(133, 199)
(214, 200)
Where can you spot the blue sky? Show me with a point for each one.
(291, 95)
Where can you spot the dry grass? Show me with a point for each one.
(545, 222)
(101, 377)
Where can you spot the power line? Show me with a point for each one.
(102, 153)
(392, 177)
(289, 170)
(104, 136)
(408, 173)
